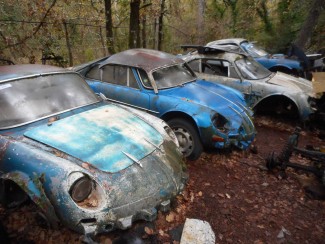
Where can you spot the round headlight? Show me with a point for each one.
(220, 122)
(81, 189)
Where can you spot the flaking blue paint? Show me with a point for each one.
(94, 137)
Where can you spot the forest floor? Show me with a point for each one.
(233, 191)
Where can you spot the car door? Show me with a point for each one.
(222, 72)
(118, 83)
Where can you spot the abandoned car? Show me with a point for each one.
(264, 91)
(201, 113)
(90, 164)
(297, 64)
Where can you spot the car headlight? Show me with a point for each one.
(81, 189)
(171, 134)
(220, 122)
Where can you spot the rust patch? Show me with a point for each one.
(88, 166)
(3, 149)
(59, 153)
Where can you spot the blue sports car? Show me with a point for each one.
(201, 114)
(92, 165)
(275, 62)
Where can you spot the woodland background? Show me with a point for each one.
(73, 32)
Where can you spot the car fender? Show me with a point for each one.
(200, 116)
(270, 63)
(301, 104)
(34, 189)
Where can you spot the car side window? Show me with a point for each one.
(195, 65)
(144, 78)
(94, 73)
(215, 67)
(119, 75)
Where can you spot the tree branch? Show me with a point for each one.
(36, 30)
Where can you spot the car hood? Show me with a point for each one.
(109, 138)
(295, 84)
(213, 96)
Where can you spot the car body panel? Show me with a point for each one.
(114, 139)
(268, 61)
(198, 100)
(131, 160)
(297, 89)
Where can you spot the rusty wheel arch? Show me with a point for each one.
(11, 194)
(181, 115)
(279, 104)
(29, 189)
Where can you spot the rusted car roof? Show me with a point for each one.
(236, 41)
(145, 59)
(14, 71)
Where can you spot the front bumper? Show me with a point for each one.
(137, 193)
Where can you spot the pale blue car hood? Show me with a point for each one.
(106, 137)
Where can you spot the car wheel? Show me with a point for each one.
(188, 138)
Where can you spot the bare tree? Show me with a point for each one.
(200, 20)
(109, 27)
(160, 24)
(134, 32)
(67, 39)
(144, 23)
(306, 31)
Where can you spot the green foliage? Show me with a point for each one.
(24, 38)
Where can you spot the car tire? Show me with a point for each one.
(188, 138)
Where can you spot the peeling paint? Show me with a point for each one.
(87, 144)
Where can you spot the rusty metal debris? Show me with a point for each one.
(312, 153)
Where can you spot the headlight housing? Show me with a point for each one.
(81, 189)
(220, 122)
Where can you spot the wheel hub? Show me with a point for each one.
(185, 140)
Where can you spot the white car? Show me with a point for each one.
(263, 90)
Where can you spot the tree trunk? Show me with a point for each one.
(144, 24)
(109, 27)
(306, 31)
(67, 40)
(102, 41)
(160, 23)
(134, 33)
(200, 21)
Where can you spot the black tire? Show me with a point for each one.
(188, 138)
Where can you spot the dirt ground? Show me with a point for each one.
(234, 192)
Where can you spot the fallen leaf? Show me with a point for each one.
(148, 230)
(170, 217)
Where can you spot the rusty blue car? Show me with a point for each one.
(89, 164)
(202, 114)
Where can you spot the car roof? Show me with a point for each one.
(21, 70)
(229, 56)
(146, 59)
(214, 49)
(236, 41)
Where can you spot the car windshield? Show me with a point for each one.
(172, 76)
(28, 99)
(252, 70)
(253, 50)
